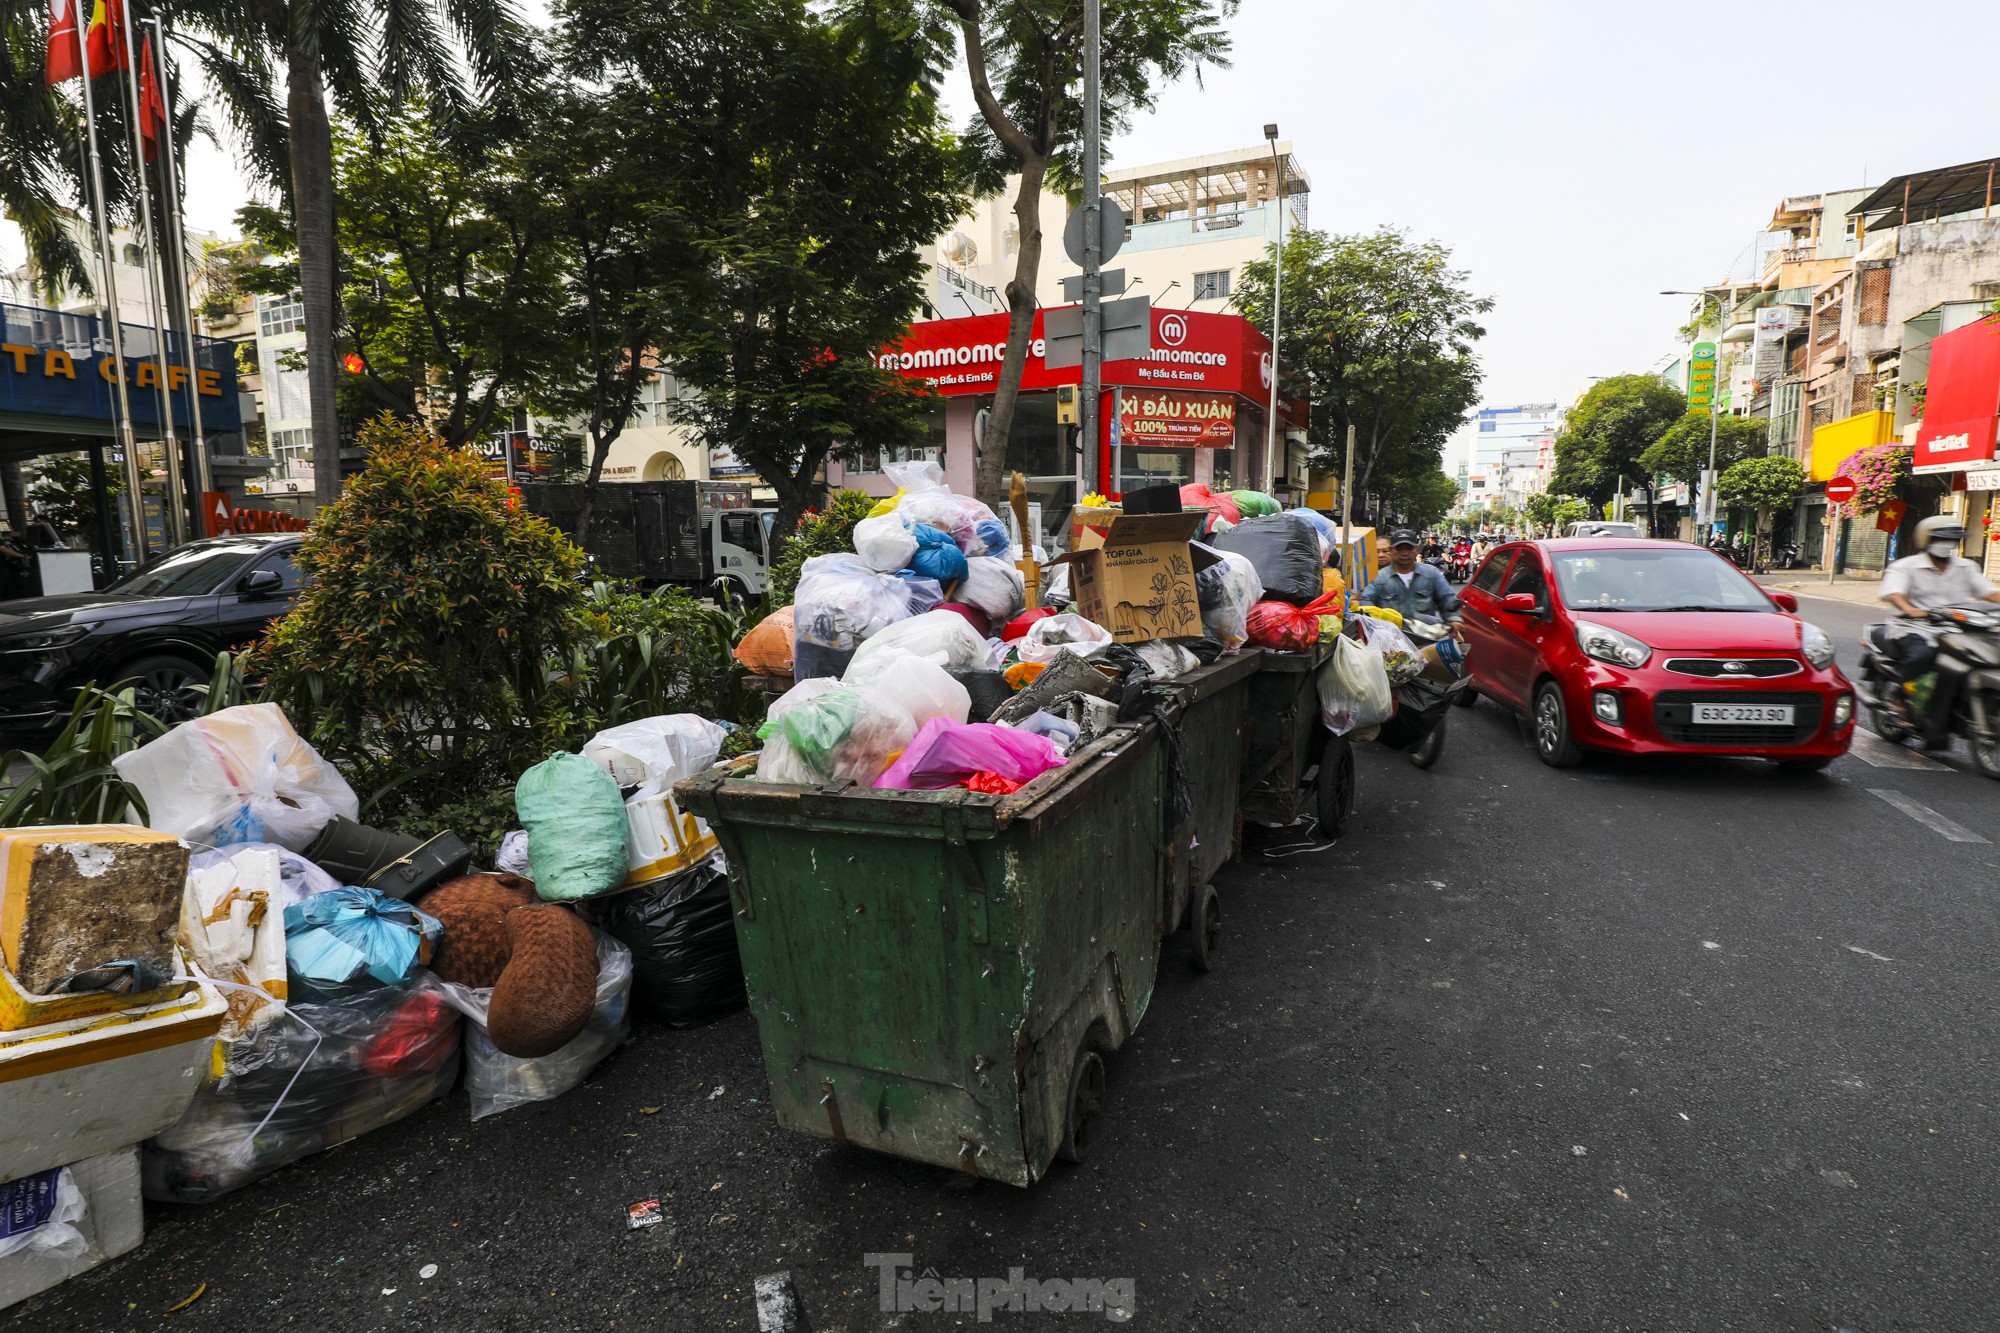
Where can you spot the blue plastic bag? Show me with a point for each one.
(938, 556)
(994, 534)
(347, 940)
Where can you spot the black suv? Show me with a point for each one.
(158, 629)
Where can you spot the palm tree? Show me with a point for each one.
(361, 54)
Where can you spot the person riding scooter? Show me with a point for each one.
(1917, 584)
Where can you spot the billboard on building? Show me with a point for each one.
(1961, 400)
(1767, 348)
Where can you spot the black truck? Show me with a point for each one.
(703, 535)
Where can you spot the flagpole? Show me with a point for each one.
(172, 208)
(122, 402)
(156, 295)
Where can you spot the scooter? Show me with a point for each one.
(1787, 556)
(1962, 672)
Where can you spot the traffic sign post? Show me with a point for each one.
(1839, 490)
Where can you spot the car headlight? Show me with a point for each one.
(1815, 644)
(1608, 645)
(35, 640)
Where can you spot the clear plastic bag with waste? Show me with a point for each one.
(842, 600)
(238, 775)
(920, 685)
(942, 637)
(1354, 688)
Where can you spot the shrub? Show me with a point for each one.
(664, 653)
(424, 658)
(820, 532)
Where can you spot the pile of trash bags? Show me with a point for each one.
(365, 971)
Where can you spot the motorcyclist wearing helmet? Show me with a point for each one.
(1940, 576)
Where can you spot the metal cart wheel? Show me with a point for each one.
(1205, 918)
(1334, 789)
(1086, 1098)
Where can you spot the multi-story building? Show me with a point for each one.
(1500, 429)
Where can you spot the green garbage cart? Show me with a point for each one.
(1208, 709)
(937, 974)
(1292, 764)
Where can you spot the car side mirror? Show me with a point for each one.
(1521, 603)
(1786, 601)
(259, 584)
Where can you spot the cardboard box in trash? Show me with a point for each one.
(1135, 576)
(79, 896)
(1444, 661)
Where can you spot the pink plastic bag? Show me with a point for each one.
(1197, 495)
(945, 752)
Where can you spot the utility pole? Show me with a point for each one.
(1347, 497)
(1092, 388)
(122, 401)
(1277, 306)
(172, 205)
(156, 295)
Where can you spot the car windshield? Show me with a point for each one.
(1654, 579)
(188, 572)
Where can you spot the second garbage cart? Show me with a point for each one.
(1292, 764)
(936, 974)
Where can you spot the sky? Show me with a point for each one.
(1576, 157)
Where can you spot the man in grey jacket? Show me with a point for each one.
(1415, 590)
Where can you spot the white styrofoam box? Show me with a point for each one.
(665, 839)
(114, 1222)
(75, 1090)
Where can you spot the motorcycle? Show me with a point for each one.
(1786, 556)
(1931, 687)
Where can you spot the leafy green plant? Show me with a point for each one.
(63, 492)
(664, 653)
(72, 781)
(429, 657)
(821, 531)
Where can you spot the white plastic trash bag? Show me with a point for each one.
(920, 685)
(39, 1216)
(1051, 636)
(841, 733)
(656, 752)
(885, 542)
(1165, 658)
(1354, 688)
(919, 474)
(995, 587)
(1400, 659)
(1227, 590)
(240, 775)
(842, 600)
(498, 1082)
(943, 637)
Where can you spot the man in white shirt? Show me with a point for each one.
(1938, 577)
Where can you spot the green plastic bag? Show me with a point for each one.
(813, 729)
(577, 835)
(1254, 504)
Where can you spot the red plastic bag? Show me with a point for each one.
(1288, 628)
(991, 783)
(416, 1038)
(1018, 626)
(1196, 495)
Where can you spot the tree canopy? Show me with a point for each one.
(1025, 62)
(1607, 432)
(1682, 453)
(1383, 329)
(1765, 483)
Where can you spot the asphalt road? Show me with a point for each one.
(1633, 1046)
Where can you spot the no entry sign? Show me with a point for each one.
(1839, 490)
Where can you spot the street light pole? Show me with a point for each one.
(1091, 373)
(1277, 307)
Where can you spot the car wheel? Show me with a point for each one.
(1557, 748)
(167, 687)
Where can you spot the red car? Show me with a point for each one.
(1651, 647)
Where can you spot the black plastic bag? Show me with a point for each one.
(682, 933)
(1284, 551)
(988, 690)
(1420, 706)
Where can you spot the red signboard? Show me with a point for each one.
(1192, 349)
(1179, 420)
(1962, 400)
(221, 518)
(1839, 490)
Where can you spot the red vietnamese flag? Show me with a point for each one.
(106, 37)
(64, 60)
(152, 111)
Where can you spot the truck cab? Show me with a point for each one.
(736, 550)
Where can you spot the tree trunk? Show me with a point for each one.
(600, 448)
(992, 484)
(312, 202)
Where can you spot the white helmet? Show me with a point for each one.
(1940, 528)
